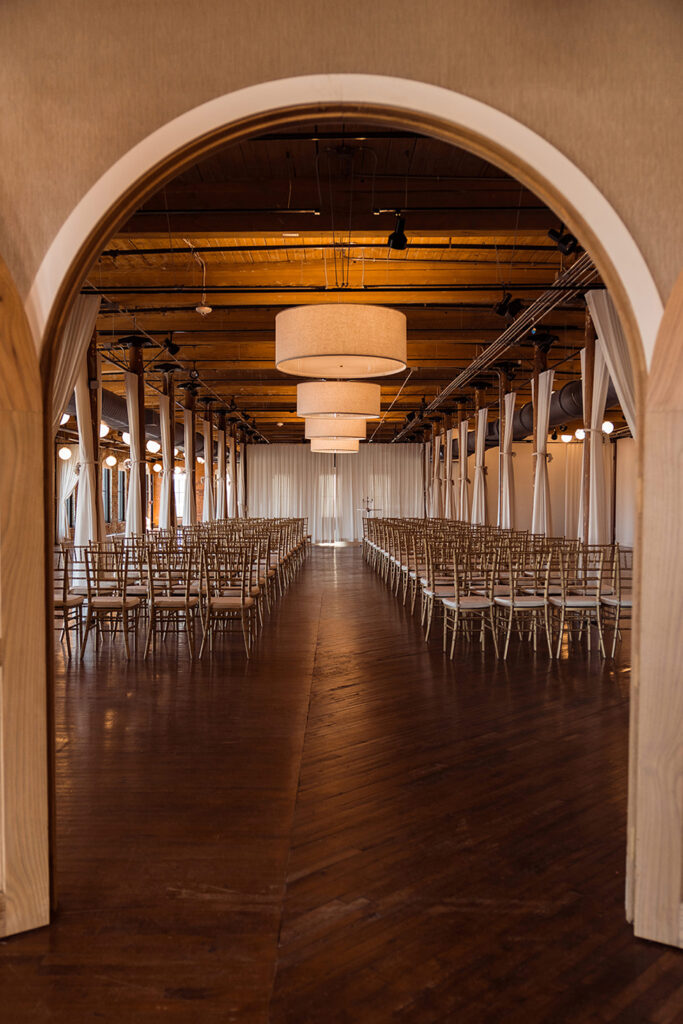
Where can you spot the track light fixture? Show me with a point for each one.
(564, 240)
(397, 239)
(514, 309)
(171, 346)
(501, 308)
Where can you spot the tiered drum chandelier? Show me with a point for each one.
(337, 342)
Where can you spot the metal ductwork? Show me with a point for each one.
(565, 404)
(115, 413)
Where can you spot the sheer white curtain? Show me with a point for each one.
(242, 503)
(573, 466)
(231, 486)
(541, 521)
(89, 510)
(290, 480)
(220, 477)
(507, 473)
(611, 341)
(76, 336)
(67, 478)
(167, 493)
(448, 503)
(479, 486)
(208, 505)
(135, 523)
(427, 477)
(189, 501)
(437, 497)
(599, 510)
(464, 504)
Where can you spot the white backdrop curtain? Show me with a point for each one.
(507, 473)
(448, 502)
(464, 503)
(89, 510)
(135, 524)
(436, 505)
(541, 520)
(479, 486)
(189, 501)
(231, 483)
(611, 341)
(242, 503)
(220, 477)
(76, 336)
(167, 492)
(67, 478)
(427, 478)
(290, 480)
(599, 502)
(208, 506)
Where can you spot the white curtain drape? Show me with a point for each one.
(76, 336)
(599, 510)
(290, 480)
(611, 341)
(464, 503)
(89, 511)
(479, 487)
(507, 473)
(135, 523)
(427, 478)
(167, 492)
(220, 477)
(436, 504)
(541, 521)
(448, 496)
(242, 503)
(67, 478)
(208, 505)
(231, 485)
(189, 502)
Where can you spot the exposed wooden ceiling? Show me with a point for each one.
(304, 217)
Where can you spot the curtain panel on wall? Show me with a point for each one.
(478, 517)
(448, 503)
(231, 484)
(89, 511)
(427, 478)
(290, 480)
(611, 341)
(436, 504)
(67, 478)
(189, 501)
(208, 505)
(167, 494)
(76, 336)
(464, 503)
(221, 493)
(242, 503)
(135, 523)
(541, 520)
(506, 483)
(599, 473)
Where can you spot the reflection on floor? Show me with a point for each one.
(348, 828)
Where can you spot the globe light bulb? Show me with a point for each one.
(64, 454)
(607, 427)
(580, 434)
(65, 419)
(125, 437)
(153, 447)
(110, 461)
(566, 438)
(104, 429)
(157, 467)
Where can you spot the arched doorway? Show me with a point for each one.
(431, 110)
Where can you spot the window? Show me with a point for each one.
(106, 494)
(179, 489)
(71, 509)
(122, 495)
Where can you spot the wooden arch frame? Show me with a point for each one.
(652, 896)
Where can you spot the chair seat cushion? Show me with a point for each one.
(467, 603)
(520, 601)
(440, 592)
(176, 602)
(71, 601)
(230, 603)
(114, 604)
(573, 601)
(626, 601)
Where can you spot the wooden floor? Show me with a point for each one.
(350, 828)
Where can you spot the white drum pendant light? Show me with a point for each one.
(335, 428)
(335, 445)
(345, 399)
(340, 341)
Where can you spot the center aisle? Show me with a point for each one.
(348, 828)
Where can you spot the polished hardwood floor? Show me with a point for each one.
(348, 828)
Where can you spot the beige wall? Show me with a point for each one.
(82, 81)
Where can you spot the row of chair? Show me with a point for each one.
(487, 581)
(219, 574)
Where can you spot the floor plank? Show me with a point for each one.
(348, 828)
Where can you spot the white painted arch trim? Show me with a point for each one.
(417, 98)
